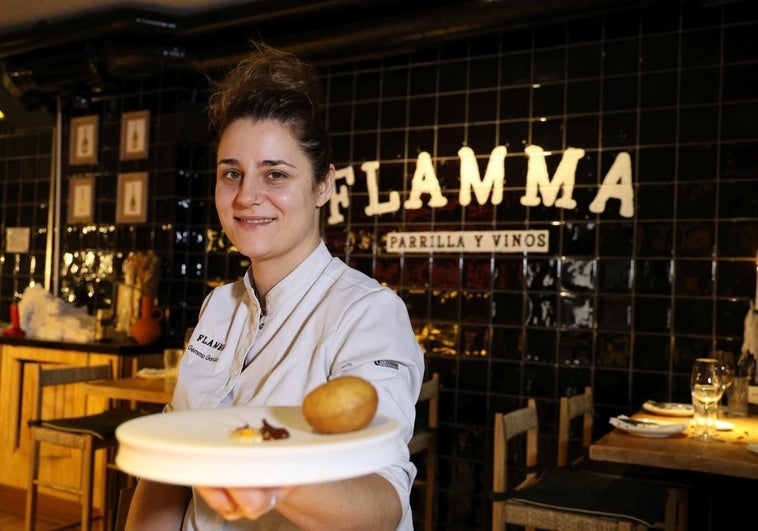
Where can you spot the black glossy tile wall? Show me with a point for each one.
(620, 303)
(623, 304)
(25, 165)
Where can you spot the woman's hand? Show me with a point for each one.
(368, 503)
(236, 503)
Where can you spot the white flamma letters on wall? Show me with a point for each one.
(494, 177)
(374, 206)
(425, 181)
(617, 183)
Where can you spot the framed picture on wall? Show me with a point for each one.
(83, 144)
(17, 239)
(135, 135)
(131, 198)
(81, 197)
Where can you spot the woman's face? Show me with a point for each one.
(265, 195)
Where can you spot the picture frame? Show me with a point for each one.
(131, 198)
(83, 146)
(17, 239)
(81, 199)
(135, 135)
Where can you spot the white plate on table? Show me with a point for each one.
(753, 448)
(150, 373)
(195, 448)
(669, 409)
(648, 428)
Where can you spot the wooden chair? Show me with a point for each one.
(425, 441)
(561, 498)
(87, 434)
(572, 408)
(124, 502)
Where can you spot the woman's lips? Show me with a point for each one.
(254, 221)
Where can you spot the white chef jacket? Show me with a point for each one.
(323, 320)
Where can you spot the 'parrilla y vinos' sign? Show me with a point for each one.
(480, 241)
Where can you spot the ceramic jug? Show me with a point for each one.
(147, 327)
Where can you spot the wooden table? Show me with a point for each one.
(729, 456)
(134, 389)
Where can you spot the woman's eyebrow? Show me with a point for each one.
(264, 163)
(231, 162)
(275, 163)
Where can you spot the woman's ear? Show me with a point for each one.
(325, 188)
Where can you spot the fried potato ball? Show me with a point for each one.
(343, 404)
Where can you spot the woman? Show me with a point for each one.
(298, 318)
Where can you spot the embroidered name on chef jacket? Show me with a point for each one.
(208, 342)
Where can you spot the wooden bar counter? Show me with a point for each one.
(17, 356)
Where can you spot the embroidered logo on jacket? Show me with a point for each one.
(390, 364)
(210, 342)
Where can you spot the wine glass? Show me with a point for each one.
(706, 393)
(725, 366)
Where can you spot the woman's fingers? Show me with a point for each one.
(220, 501)
(237, 503)
(253, 503)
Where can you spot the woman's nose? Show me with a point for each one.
(249, 193)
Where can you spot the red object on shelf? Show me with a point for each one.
(14, 330)
(147, 328)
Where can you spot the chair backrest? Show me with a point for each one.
(122, 509)
(571, 408)
(508, 426)
(428, 395)
(425, 440)
(47, 377)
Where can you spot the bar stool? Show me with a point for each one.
(87, 434)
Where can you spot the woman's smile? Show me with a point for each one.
(254, 220)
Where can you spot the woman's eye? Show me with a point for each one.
(232, 175)
(276, 175)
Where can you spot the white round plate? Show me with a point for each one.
(646, 428)
(195, 448)
(753, 448)
(150, 373)
(669, 409)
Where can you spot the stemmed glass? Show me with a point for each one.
(725, 366)
(706, 392)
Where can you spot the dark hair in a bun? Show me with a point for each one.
(270, 84)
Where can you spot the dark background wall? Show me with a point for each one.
(621, 304)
